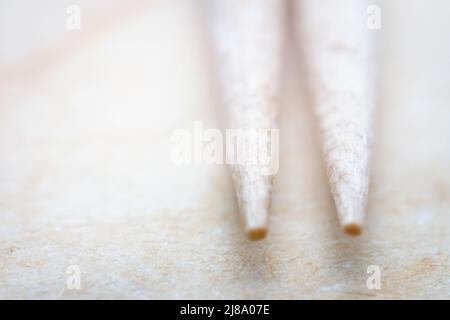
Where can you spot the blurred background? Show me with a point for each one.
(87, 182)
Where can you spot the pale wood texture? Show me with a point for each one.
(247, 37)
(339, 53)
(86, 176)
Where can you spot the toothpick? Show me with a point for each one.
(248, 40)
(339, 53)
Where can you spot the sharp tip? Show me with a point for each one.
(254, 198)
(351, 215)
(352, 229)
(257, 223)
(352, 219)
(257, 233)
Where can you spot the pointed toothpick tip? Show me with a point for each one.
(352, 219)
(352, 229)
(256, 218)
(254, 194)
(255, 234)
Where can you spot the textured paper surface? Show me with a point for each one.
(86, 176)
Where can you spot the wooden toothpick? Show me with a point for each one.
(339, 53)
(248, 39)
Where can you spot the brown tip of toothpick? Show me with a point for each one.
(257, 234)
(353, 229)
